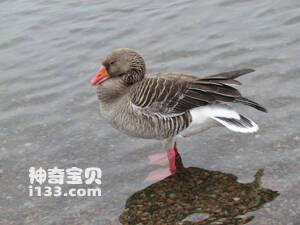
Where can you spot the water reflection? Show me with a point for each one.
(197, 196)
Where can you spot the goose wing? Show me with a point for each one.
(172, 94)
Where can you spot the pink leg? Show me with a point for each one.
(172, 153)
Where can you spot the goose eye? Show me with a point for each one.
(112, 62)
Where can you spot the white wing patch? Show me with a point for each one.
(203, 117)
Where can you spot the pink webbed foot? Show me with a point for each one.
(162, 159)
(158, 174)
(158, 159)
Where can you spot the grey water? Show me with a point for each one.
(49, 51)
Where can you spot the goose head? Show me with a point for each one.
(122, 64)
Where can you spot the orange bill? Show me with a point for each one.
(101, 76)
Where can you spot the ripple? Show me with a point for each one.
(50, 113)
(294, 20)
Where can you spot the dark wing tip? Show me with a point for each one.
(261, 108)
(237, 73)
(245, 71)
(251, 103)
(229, 75)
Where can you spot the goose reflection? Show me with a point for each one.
(197, 196)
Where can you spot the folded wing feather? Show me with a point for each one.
(172, 94)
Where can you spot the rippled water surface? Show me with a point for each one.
(49, 50)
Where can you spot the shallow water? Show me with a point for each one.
(49, 112)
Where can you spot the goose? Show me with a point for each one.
(164, 106)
